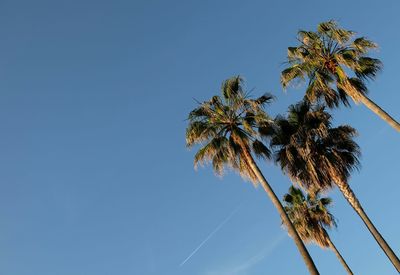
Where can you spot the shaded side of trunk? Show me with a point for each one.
(360, 97)
(380, 112)
(292, 231)
(339, 256)
(352, 199)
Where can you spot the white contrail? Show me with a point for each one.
(211, 234)
(236, 268)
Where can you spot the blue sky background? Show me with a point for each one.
(94, 174)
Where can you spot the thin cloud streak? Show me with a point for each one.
(244, 268)
(211, 234)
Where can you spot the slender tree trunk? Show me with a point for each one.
(292, 231)
(379, 111)
(338, 255)
(352, 199)
(360, 97)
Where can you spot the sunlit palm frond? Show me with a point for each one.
(363, 45)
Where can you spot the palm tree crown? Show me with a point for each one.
(310, 215)
(312, 152)
(325, 57)
(226, 126)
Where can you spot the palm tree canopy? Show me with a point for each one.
(312, 152)
(325, 57)
(226, 123)
(310, 215)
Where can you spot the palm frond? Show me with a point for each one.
(331, 29)
(363, 45)
(368, 68)
(232, 87)
(260, 150)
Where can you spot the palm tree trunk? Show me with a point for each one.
(338, 255)
(352, 199)
(292, 231)
(379, 111)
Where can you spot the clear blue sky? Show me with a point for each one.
(95, 178)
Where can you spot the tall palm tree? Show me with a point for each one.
(325, 57)
(318, 156)
(226, 127)
(311, 217)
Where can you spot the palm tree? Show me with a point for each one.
(318, 156)
(311, 217)
(325, 57)
(226, 127)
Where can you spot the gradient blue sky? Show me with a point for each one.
(95, 178)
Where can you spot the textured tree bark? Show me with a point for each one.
(352, 199)
(339, 256)
(380, 112)
(292, 231)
